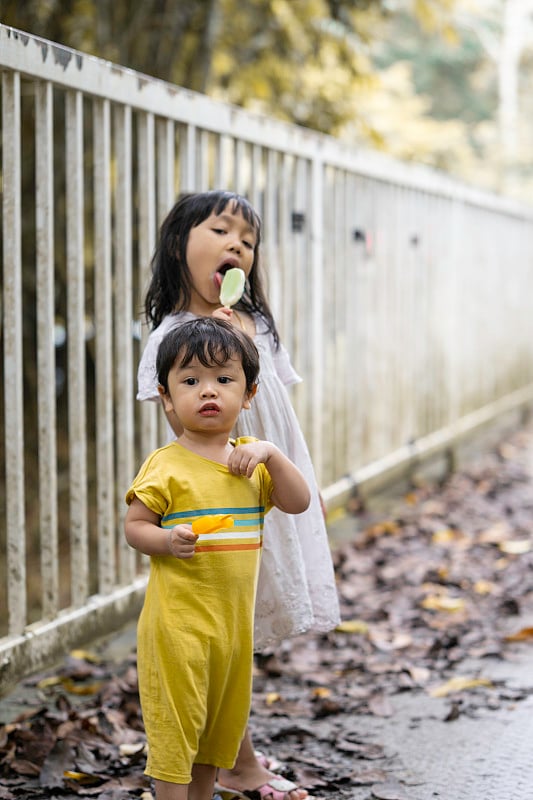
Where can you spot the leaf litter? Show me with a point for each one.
(424, 591)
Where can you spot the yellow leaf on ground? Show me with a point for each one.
(352, 626)
(321, 691)
(271, 698)
(444, 536)
(522, 635)
(85, 655)
(459, 684)
(52, 680)
(82, 689)
(81, 777)
(484, 587)
(441, 602)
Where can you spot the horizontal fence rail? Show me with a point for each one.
(402, 296)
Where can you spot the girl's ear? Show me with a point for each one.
(247, 402)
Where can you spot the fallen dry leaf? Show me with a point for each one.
(459, 684)
(523, 635)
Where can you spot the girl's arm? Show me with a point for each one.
(291, 492)
(144, 533)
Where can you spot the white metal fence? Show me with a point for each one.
(403, 297)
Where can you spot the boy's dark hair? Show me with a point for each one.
(211, 341)
(171, 282)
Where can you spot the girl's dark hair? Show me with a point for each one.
(171, 282)
(211, 341)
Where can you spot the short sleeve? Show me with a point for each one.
(284, 369)
(149, 486)
(147, 382)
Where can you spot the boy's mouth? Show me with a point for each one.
(209, 410)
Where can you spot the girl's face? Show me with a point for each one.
(220, 242)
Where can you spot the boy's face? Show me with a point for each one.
(207, 399)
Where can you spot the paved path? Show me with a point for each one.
(485, 753)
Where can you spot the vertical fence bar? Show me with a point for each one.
(124, 382)
(166, 193)
(105, 498)
(203, 162)
(221, 162)
(44, 205)
(13, 369)
(270, 251)
(166, 161)
(239, 167)
(301, 290)
(285, 249)
(188, 159)
(77, 415)
(317, 311)
(256, 179)
(147, 235)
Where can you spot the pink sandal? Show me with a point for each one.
(268, 762)
(275, 789)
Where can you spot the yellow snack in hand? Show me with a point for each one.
(212, 523)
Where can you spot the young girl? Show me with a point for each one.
(195, 633)
(204, 235)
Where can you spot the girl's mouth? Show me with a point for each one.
(218, 277)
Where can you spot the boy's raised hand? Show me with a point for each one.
(181, 541)
(245, 458)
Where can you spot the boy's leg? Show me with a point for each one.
(203, 782)
(249, 774)
(171, 791)
(200, 788)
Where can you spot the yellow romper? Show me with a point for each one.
(194, 637)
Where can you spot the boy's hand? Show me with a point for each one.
(181, 541)
(245, 458)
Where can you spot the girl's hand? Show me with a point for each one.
(223, 313)
(245, 458)
(181, 541)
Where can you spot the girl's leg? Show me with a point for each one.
(249, 774)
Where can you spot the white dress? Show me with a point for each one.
(296, 590)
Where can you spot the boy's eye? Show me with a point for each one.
(249, 245)
(219, 230)
(224, 379)
(190, 381)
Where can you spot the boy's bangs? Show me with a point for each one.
(218, 349)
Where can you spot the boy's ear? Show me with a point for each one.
(249, 397)
(165, 398)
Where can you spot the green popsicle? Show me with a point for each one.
(232, 287)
